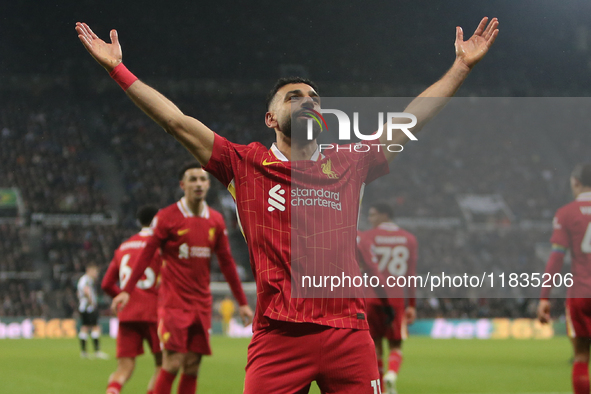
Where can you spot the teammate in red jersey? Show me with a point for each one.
(138, 320)
(187, 232)
(296, 340)
(387, 250)
(572, 231)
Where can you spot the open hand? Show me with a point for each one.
(473, 50)
(107, 55)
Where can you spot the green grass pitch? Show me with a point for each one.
(430, 366)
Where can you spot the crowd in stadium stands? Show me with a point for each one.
(150, 159)
(14, 249)
(16, 299)
(485, 156)
(69, 250)
(460, 251)
(48, 152)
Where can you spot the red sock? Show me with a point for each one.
(394, 360)
(150, 392)
(581, 378)
(164, 382)
(187, 385)
(114, 388)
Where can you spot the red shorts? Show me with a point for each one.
(378, 323)
(284, 358)
(131, 335)
(578, 317)
(184, 331)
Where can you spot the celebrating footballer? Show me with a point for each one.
(296, 340)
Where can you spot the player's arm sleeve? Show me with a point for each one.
(560, 233)
(87, 292)
(109, 283)
(228, 266)
(223, 157)
(553, 266)
(374, 164)
(80, 288)
(560, 241)
(412, 271)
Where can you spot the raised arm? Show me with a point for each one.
(435, 97)
(194, 135)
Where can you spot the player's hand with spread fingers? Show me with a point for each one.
(107, 55)
(471, 51)
(246, 314)
(544, 311)
(119, 302)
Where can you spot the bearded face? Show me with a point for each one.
(296, 123)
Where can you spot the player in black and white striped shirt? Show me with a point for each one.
(87, 307)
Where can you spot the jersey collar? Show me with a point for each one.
(146, 232)
(586, 196)
(184, 208)
(388, 226)
(280, 156)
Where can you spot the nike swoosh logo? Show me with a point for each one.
(266, 163)
(183, 232)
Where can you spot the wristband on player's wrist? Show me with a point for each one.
(123, 76)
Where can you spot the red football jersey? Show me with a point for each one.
(290, 212)
(144, 297)
(572, 230)
(388, 250)
(187, 242)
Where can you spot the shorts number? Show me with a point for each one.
(125, 273)
(377, 389)
(395, 259)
